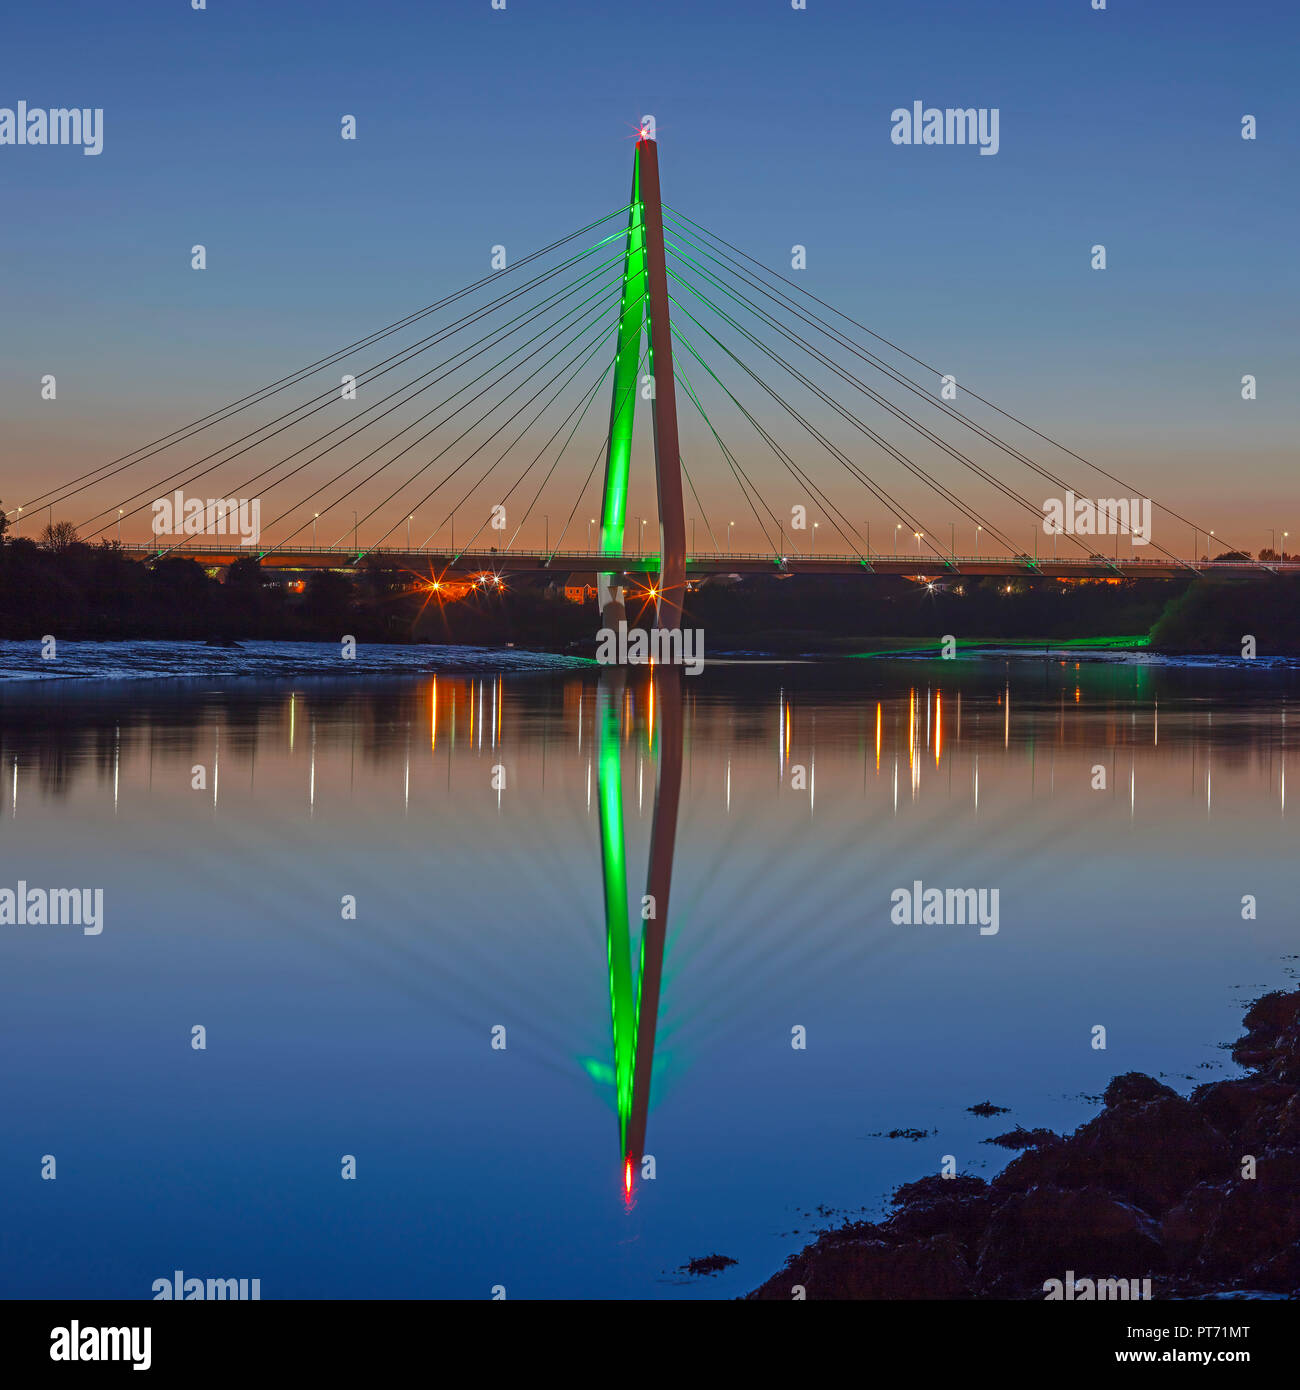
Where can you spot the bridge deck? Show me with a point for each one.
(563, 562)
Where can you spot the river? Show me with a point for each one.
(403, 899)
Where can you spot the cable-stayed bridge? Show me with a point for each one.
(503, 426)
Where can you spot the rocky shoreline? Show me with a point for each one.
(1199, 1195)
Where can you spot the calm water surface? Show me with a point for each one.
(495, 816)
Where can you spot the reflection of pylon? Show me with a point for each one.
(634, 1002)
(645, 297)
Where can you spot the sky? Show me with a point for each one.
(478, 127)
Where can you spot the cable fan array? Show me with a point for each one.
(471, 407)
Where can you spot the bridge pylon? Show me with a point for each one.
(644, 303)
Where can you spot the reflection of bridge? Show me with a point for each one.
(959, 735)
(634, 1004)
(525, 561)
(529, 352)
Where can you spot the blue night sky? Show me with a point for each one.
(478, 127)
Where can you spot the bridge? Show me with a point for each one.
(429, 563)
(661, 313)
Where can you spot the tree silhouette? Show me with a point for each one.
(59, 536)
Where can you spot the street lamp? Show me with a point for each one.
(315, 518)
(952, 539)
(546, 521)
(590, 523)
(640, 534)
(978, 529)
(730, 524)
(918, 535)
(409, 519)
(813, 548)
(897, 529)
(119, 526)
(354, 529)
(19, 522)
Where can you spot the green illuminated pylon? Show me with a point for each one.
(645, 298)
(623, 404)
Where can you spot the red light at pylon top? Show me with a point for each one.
(627, 1177)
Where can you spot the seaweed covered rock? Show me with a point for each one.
(1201, 1195)
(958, 1206)
(1037, 1235)
(1146, 1152)
(874, 1269)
